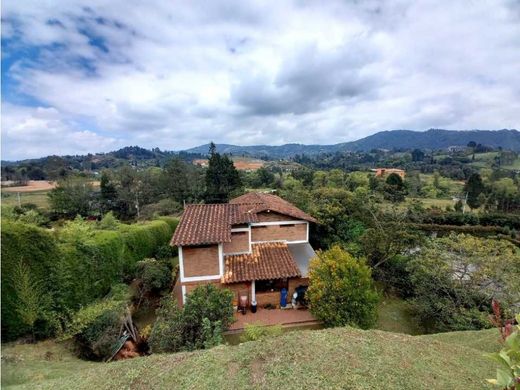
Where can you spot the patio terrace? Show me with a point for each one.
(286, 318)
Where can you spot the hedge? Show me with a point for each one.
(476, 230)
(35, 247)
(511, 221)
(75, 272)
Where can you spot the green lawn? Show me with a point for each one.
(337, 358)
(36, 363)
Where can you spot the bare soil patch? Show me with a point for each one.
(32, 185)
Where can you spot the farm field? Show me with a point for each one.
(32, 185)
(240, 163)
(35, 192)
(39, 198)
(330, 358)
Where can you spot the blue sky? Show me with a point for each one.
(94, 76)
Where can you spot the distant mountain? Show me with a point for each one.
(432, 139)
(281, 151)
(435, 139)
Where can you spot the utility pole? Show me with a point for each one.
(137, 204)
(465, 202)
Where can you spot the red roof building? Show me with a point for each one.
(255, 245)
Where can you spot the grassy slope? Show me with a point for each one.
(332, 358)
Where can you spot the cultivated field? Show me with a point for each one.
(32, 185)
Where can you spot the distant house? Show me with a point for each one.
(382, 172)
(257, 244)
(201, 162)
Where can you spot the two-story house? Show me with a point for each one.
(256, 244)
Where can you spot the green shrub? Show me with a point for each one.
(341, 290)
(165, 252)
(95, 328)
(206, 301)
(253, 332)
(167, 332)
(207, 312)
(108, 222)
(508, 372)
(154, 275)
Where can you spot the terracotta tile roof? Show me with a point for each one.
(270, 260)
(261, 202)
(209, 223)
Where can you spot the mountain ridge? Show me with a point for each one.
(432, 139)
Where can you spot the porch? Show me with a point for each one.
(284, 317)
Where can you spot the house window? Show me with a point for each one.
(271, 285)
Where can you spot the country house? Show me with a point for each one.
(255, 245)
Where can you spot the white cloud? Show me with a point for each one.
(177, 74)
(35, 132)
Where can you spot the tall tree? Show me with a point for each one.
(71, 197)
(222, 178)
(108, 193)
(394, 189)
(417, 155)
(177, 182)
(28, 295)
(474, 187)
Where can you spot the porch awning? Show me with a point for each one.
(271, 260)
(302, 255)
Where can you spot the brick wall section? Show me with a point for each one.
(236, 288)
(272, 217)
(200, 261)
(295, 282)
(239, 288)
(297, 232)
(193, 285)
(239, 243)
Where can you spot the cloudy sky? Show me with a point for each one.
(89, 76)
